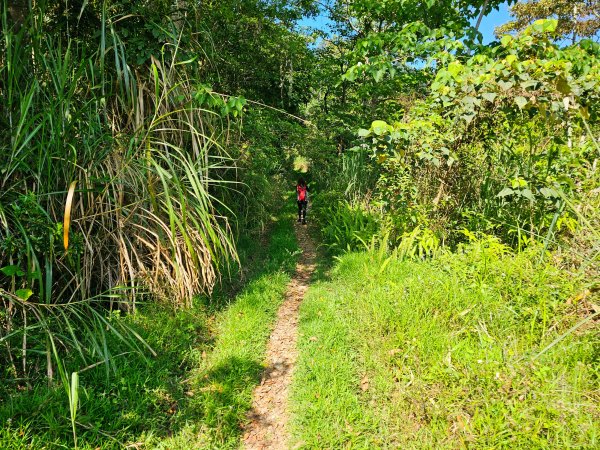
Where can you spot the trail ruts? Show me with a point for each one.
(269, 414)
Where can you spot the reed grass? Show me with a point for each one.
(109, 180)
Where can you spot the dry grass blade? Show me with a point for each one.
(67, 218)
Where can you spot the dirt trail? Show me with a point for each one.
(269, 413)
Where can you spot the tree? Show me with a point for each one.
(576, 19)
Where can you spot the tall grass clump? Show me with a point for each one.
(479, 348)
(108, 176)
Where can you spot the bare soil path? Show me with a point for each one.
(269, 413)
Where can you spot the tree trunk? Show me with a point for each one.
(483, 8)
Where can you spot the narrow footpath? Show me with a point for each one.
(269, 413)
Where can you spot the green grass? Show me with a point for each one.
(194, 394)
(444, 354)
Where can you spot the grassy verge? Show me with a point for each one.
(450, 353)
(194, 394)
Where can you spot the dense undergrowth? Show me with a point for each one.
(126, 178)
(478, 348)
(193, 393)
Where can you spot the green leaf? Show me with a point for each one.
(470, 102)
(519, 182)
(455, 68)
(506, 39)
(489, 96)
(559, 140)
(505, 85)
(505, 192)
(378, 75)
(83, 5)
(380, 127)
(549, 193)
(520, 101)
(585, 113)
(11, 271)
(350, 75)
(24, 294)
(528, 195)
(363, 133)
(563, 86)
(545, 25)
(529, 84)
(565, 179)
(468, 117)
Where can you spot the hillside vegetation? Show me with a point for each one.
(474, 348)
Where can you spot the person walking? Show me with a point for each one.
(302, 197)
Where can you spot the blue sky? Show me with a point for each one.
(488, 23)
(491, 21)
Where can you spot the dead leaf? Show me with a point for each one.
(364, 383)
(579, 297)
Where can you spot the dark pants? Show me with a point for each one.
(302, 209)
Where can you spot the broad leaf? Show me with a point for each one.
(455, 68)
(11, 271)
(505, 192)
(380, 127)
(528, 195)
(549, 193)
(505, 85)
(520, 101)
(24, 294)
(489, 96)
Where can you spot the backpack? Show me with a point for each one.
(301, 193)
